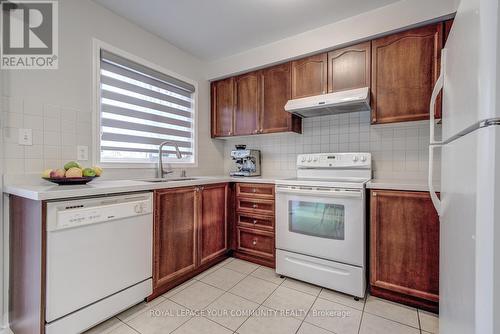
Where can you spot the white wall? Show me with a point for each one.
(57, 104)
(361, 27)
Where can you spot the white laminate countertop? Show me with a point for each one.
(50, 191)
(44, 190)
(399, 184)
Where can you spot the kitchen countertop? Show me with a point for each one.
(399, 184)
(49, 191)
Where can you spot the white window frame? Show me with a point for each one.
(97, 46)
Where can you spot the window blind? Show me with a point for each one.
(140, 108)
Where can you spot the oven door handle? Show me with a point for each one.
(312, 191)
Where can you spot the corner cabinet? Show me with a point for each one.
(253, 103)
(405, 67)
(222, 96)
(404, 248)
(190, 231)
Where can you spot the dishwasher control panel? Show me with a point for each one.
(64, 215)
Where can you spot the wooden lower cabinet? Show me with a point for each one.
(213, 223)
(404, 248)
(190, 233)
(254, 223)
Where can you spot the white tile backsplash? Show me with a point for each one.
(57, 131)
(399, 150)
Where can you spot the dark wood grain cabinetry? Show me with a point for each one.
(175, 225)
(222, 97)
(254, 231)
(190, 232)
(309, 76)
(349, 68)
(213, 240)
(247, 92)
(400, 69)
(404, 248)
(253, 103)
(405, 67)
(276, 91)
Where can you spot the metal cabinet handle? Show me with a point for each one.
(255, 206)
(254, 242)
(254, 190)
(255, 221)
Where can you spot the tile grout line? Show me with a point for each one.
(261, 304)
(309, 310)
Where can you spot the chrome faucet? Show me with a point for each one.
(160, 172)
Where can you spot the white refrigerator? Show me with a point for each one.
(469, 204)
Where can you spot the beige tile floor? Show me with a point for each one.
(241, 297)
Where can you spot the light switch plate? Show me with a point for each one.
(82, 152)
(25, 137)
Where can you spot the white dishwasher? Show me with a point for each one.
(99, 259)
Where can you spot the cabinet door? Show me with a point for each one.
(405, 67)
(247, 92)
(276, 91)
(349, 68)
(222, 107)
(174, 250)
(404, 243)
(213, 222)
(309, 76)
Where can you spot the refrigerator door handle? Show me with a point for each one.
(434, 197)
(432, 140)
(435, 92)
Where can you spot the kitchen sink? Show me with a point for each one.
(171, 180)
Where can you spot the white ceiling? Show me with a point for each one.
(214, 29)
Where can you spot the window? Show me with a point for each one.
(140, 108)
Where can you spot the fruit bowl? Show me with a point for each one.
(63, 181)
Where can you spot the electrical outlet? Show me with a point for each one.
(82, 152)
(25, 137)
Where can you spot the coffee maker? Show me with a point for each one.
(246, 162)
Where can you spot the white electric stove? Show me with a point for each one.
(320, 221)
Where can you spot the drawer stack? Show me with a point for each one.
(255, 223)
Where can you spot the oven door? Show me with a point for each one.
(327, 223)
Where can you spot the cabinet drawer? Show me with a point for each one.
(256, 221)
(256, 242)
(255, 205)
(255, 190)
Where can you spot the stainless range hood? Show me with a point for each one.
(333, 103)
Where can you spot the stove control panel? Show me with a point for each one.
(334, 160)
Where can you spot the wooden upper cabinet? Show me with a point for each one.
(349, 68)
(405, 67)
(247, 95)
(404, 244)
(276, 91)
(309, 76)
(213, 222)
(175, 232)
(222, 94)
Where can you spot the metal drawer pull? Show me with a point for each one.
(255, 221)
(254, 242)
(254, 190)
(255, 206)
